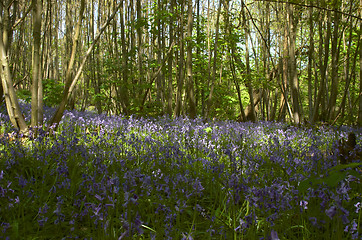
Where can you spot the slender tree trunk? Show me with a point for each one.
(294, 85)
(1, 94)
(140, 45)
(124, 87)
(347, 71)
(98, 75)
(12, 104)
(209, 37)
(213, 77)
(37, 9)
(56, 32)
(190, 81)
(68, 36)
(360, 72)
(159, 80)
(286, 75)
(321, 92)
(233, 58)
(310, 62)
(265, 56)
(334, 72)
(180, 77)
(251, 114)
(90, 39)
(170, 62)
(198, 80)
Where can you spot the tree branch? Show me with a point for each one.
(154, 76)
(22, 18)
(313, 6)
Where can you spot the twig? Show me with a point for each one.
(313, 6)
(22, 19)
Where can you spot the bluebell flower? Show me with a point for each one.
(42, 221)
(331, 211)
(304, 204)
(274, 235)
(313, 220)
(186, 237)
(5, 226)
(358, 207)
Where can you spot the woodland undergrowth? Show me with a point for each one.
(115, 177)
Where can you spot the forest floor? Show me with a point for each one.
(115, 177)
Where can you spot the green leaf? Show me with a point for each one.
(208, 129)
(344, 166)
(308, 183)
(334, 178)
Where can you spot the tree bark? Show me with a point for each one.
(124, 87)
(310, 62)
(334, 71)
(233, 59)
(360, 72)
(12, 104)
(140, 45)
(170, 62)
(251, 114)
(36, 84)
(98, 75)
(213, 77)
(294, 85)
(190, 81)
(180, 77)
(285, 74)
(323, 72)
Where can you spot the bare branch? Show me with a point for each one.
(23, 17)
(313, 6)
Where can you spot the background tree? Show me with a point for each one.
(246, 60)
(37, 86)
(11, 100)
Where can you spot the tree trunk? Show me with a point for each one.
(251, 114)
(124, 87)
(180, 77)
(334, 71)
(190, 81)
(265, 57)
(310, 62)
(97, 81)
(294, 85)
(347, 72)
(170, 62)
(285, 75)
(37, 11)
(323, 72)
(12, 104)
(233, 59)
(360, 72)
(213, 77)
(140, 45)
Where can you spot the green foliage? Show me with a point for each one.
(117, 178)
(24, 94)
(334, 176)
(53, 92)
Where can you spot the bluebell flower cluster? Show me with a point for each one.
(118, 177)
